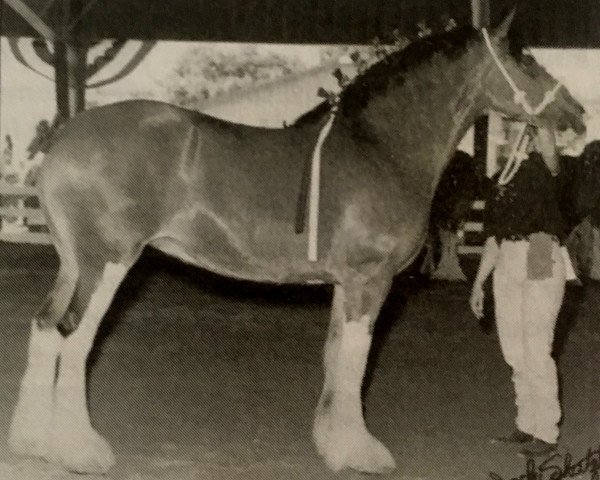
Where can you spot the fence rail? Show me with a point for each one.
(470, 249)
(34, 216)
(18, 220)
(473, 227)
(17, 190)
(36, 238)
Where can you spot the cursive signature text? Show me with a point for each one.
(558, 467)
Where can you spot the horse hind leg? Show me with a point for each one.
(339, 431)
(74, 443)
(30, 426)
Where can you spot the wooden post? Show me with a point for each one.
(76, 65)
(76, 58)
(61, 80)
(480, 142)
(69, 61)
(495, 140)
(61, 69)
(480, 17)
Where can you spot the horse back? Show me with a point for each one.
(128, 173)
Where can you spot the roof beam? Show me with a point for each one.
(32, 19)
(540, 23)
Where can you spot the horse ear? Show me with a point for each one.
(501, 30)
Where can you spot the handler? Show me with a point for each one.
(524, 232)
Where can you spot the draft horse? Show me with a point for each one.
(223, 197)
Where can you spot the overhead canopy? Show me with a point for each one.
(556, 23)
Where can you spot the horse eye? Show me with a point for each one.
(530, 66)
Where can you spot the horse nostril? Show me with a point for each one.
(563, 124)
(572, 122)
(580, 127)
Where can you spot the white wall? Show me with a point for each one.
(27, 98)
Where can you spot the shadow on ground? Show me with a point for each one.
(198, 377)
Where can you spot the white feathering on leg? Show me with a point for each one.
(340, 432)
(29, 430)
(76, 444)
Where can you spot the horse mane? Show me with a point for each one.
(376, 79)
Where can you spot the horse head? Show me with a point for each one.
(519, 87)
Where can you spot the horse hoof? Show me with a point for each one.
(82, 452)
(29, 445)
(27, 437)
(358, 450)
(373, 457)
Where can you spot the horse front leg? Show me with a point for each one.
(339, 432)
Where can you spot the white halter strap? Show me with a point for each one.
(315, 188)
(519, 95)
(518, 154)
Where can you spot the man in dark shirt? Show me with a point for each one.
(524, 230)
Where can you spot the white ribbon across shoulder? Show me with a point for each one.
(315, 188)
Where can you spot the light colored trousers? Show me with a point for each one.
(526, 313)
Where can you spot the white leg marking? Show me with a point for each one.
(75, 443)
(340, 433)
(30, 426)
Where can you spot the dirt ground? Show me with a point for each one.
(197, 377)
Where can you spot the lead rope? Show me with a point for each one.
(517, 155)
(315, 188)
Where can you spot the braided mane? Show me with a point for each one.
(393, 68)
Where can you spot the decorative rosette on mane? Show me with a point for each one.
(380, 50)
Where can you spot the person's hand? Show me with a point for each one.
(476, 300)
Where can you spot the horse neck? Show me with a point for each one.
(423, 118)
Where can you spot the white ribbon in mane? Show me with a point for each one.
(315, 188)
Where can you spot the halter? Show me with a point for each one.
(519, 151)
(519, 96)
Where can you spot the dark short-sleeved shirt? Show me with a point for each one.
(528, 204)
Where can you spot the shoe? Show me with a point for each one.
(517, 436)
(538, 448)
